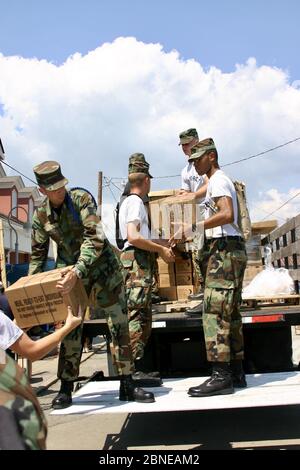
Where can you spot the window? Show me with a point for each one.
(14, 202)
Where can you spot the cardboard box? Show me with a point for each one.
(166, 280)
(165, 268)
(184, 291)
(165, 211)
(35, 300)
(183, 266)
(170, 293)
(183, 279)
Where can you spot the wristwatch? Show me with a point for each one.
(77, 272)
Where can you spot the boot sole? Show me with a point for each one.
(150, 400)
(227, 391)
(60, 407)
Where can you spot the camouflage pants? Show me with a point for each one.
(26, 426)
(196, 268)
(139, 269)
(223, 263)
(155, 278)
(110, 297)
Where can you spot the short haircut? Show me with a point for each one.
(137, 179)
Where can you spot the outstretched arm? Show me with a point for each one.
(34, 350)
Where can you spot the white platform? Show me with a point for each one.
(274, 389)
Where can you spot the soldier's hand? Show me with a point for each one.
(66, 270)
(73, 321)
(183, 231)
(182, 191)
(67, 282)
(167, 254)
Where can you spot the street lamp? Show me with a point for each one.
(25, 225)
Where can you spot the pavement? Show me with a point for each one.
(75, 432)
(213, 429)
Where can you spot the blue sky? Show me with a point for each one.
(220, 33)
(84, 81)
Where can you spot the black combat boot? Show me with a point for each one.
(64, 397)
(220, 382)
(130, 392)
(197, 296)
(197, 310)
(238, 374)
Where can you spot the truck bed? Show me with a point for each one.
(277, 389)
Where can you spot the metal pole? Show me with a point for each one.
(16, 233)
(17, 249)
(100, 194)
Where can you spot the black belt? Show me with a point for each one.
(134, 248)
(228, 237)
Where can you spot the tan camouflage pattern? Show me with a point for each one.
(48, 175)
(201, 148)
(138, 265)
(196, 268)
(223, 263)
(17, 395)
(155, 278)
(187, 136)
(83, 244)
(138, 164)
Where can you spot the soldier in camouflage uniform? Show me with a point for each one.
(223, 260)
(196, 184)
(22, 422)
(138, 256)
(69, 218)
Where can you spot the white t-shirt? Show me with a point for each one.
(190, 180)
(133, 210)
(9, 331)
(220, 185)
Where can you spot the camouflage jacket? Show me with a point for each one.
(77, 231)
(17, 395)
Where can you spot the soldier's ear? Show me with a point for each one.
(42, 190)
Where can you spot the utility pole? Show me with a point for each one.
(100, 177)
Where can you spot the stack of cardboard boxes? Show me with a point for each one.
(176, 279)
(254, 249)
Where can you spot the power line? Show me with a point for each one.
(252, 206)
(17, 171)
(119, 189)
(108, 182)
(262, 153)
(234, 162)
(282, 205)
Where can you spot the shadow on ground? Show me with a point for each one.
(212, 429)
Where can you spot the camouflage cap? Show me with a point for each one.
(138, 164)
(201, 148)
(187, 136)
(48, 175)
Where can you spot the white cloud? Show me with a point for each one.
(93, 111)
(273, 200)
